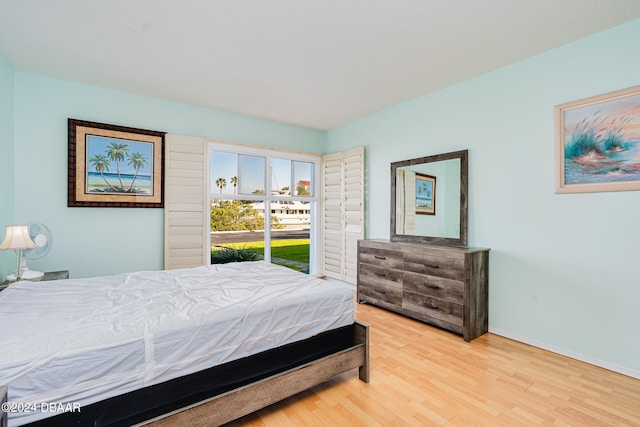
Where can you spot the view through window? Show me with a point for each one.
(263, 206)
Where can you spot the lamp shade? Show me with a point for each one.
(17, 237)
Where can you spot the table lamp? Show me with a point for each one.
(17, 238)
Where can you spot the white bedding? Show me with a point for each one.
(84, 340)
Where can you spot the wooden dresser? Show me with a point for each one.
(444, 286)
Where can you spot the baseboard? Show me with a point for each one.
(568, 353)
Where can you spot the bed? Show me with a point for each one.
(129, 348)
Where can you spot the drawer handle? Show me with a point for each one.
(435, 307)
(379, 291)
(381, 274)
(432, 266)
(380, 257)
(430, 286)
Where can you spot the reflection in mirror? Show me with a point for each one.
(420, 209)
(429, 199)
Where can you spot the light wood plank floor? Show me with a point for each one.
(423, 376)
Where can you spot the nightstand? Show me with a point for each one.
(49, 275)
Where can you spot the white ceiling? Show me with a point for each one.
(313, 63)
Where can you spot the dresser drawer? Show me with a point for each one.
(380, 283)
(437, 287)
(434, 308)
(381, 257)
(433, 264)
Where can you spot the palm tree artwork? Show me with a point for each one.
(137, 160)
(131, 158)
(117, 152)
(101, 164)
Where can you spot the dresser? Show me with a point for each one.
(444, 286)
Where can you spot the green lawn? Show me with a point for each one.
(293, 249)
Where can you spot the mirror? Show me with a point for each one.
(429, 199)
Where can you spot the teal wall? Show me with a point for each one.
(7, 187)
(563, 269)
(101, 241)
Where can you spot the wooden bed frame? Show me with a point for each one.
(276, 381)
(260, 394)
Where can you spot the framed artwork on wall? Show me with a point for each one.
(425, 194)
(597, 143)
(114, 166)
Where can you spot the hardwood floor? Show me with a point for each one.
(423, 376)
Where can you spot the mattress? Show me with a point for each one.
(73, 342)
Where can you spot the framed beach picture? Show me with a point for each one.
(597, 143)
(114, 166)
(425, 194)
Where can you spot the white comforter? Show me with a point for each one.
(84, 340)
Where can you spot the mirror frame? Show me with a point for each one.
(463, 155)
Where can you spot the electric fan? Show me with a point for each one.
(41, 236)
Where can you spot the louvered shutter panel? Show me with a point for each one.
(186, 202)
(343, 213)
(353, 166)
(332, 241)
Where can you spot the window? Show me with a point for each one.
(265, 202)
(298, 189)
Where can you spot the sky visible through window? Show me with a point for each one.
(251, 174)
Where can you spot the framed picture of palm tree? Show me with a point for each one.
(114, 166)
(425, 194)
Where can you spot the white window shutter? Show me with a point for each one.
(342, 213)
(332, 224)
(186, 213)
